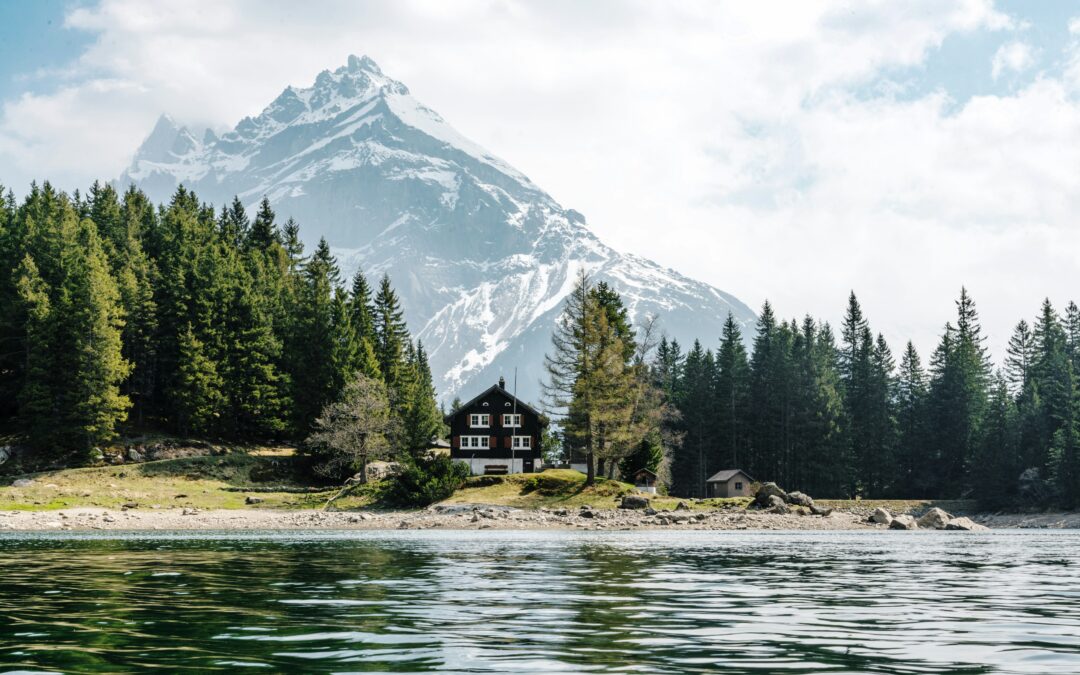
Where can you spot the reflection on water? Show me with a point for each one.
(542, 602)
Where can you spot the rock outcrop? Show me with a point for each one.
(634, 502)
(903, 522)
(767, 490)
(934, 519)
(881, 516)
(965, 525)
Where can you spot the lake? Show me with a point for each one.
(542, 602)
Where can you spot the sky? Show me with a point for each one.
(790, 151)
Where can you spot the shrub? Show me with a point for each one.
(421, 482)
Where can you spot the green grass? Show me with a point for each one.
(199, 482)
(552, 488)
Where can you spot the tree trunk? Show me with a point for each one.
(590, 471)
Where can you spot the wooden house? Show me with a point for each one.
(497, 433)
(645, 481)
(729, 483)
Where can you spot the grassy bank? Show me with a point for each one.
(222, 482)
(556, 488)
(273, 478)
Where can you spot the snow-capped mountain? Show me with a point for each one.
(481, 256)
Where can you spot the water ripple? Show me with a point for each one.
(542, 602)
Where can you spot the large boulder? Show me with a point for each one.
(965, 525)
(881, 516)
(761, 497)
(799, 499)
(934, 519)
(777, 505)
(634, 502)
(821, 510)
(22, 482)
(903, 522)
(682, 506)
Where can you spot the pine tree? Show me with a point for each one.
(570, 367)
(422, 421)
(958, 395)
(90, 341)
(323, 347)
(915, 465)
(1072, 334)
(196, 389)
(690, 463)
(996, 464)
(856, 369)
(234, 224)
(1020, 358)
(391, 340)
(36, 403)
(362, 318)
(732, 387)
(264, 231)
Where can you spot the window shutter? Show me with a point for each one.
(507, 442)
(491, 441)
(456, 443)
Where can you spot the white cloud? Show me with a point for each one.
(1013, 57)
(732, 129)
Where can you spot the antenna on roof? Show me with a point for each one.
(514, 430)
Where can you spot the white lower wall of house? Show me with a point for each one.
(478, 465)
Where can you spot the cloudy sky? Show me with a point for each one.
(789, 151)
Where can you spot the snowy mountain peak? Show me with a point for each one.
(356, 63)
(167, 141)
(481, 256)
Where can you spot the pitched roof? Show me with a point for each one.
(726, 475)
(501, 390)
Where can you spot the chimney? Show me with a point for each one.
(502, 382)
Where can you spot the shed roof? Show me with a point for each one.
(726, 475)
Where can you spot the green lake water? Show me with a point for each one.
(541, 602)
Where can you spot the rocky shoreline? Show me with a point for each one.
(446, 517)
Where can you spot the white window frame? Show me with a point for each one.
(475, 443)
(521, 443)
(479, 421)
(508, 416)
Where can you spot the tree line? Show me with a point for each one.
(832, 415)
(119, 315)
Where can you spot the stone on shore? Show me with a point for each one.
(777, 505)
(903, 522)
(22, 482)
(761, 498)
(252, 500)
(965, 525)
(682, 506)
(934, 519)
(821, 510)
(799, 499)
(881, 516)
(634, 502)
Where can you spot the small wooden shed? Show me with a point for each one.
(645, 481)
(729, 483)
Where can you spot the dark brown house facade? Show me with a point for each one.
(496, 433)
